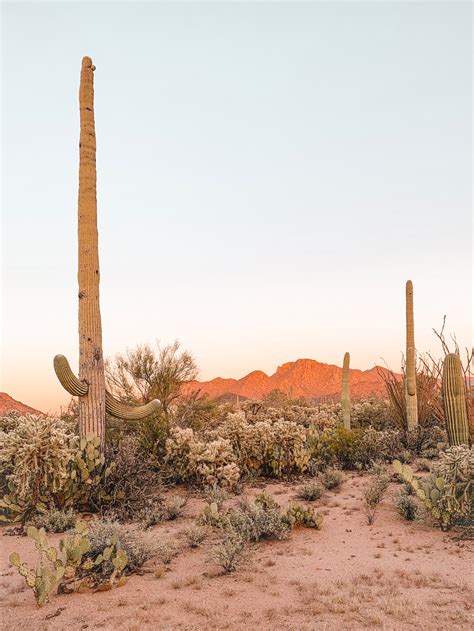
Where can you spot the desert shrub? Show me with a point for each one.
(230, 551)
(310, 492)
(332, 479)
(261, 519)
(53, 520)
(373, 495)
(36, 457)
(103, 532)
(447, 492)
(192, 460)
(128, 485)
(195, 535)
(406, 506)
(425, 440)
(305, 516)
(216, 495)
(157, 511)
(165, 551)
(268, 447)
(354, 449)
(375, 413)
(210, 515)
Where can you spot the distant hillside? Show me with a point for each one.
(306, 378)
(7, 404)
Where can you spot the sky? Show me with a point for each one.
(269, 176)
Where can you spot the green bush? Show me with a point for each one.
(230, 551)
(332, 479)
(102, 533)
(406, 506)
(310, 492)
(53, 520)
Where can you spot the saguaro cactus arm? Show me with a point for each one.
(115, 408)
(67, 378)
(130, 412)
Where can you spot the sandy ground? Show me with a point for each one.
(391, 575)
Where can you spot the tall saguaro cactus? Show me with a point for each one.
(94, 400)
(91, 361)
(410, 371)
(454, 401)
(345, 392)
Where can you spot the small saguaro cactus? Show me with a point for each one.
(346, 392)
(94, 400)
(454, 401)
(410, 371)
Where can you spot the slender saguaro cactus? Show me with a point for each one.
(91, 361)
(346, 393)
(410, 373)
(94, 400)
(454, 401)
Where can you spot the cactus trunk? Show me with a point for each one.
(410, 372)
(454, 401)
(94, 399)
(91, 362)
(346, 393)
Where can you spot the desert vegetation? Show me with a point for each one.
(185, 512)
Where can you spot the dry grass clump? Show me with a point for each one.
(195, 535)
(373, 495)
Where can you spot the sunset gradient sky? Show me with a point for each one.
(269, 175)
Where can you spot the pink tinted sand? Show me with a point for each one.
(391, 575)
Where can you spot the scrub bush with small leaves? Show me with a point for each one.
(373, 495)
(195, 535)
(406, 506)
(230, 551)
(332, 479)
(310, 492)
(53, 520)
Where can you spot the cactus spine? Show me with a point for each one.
(94, 401)
(346, 393)
(454, 401)
(410, 373)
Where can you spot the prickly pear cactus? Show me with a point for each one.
(67, 567)
(454, 401)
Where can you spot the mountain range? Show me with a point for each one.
(305, 378)
(8, 404)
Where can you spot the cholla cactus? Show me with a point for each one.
(410, 376)
(205, 463)
(94, 401)
(447, 494)
(36, 456)
(454, 401)
(346, 393)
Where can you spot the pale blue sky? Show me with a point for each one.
(269, 175)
